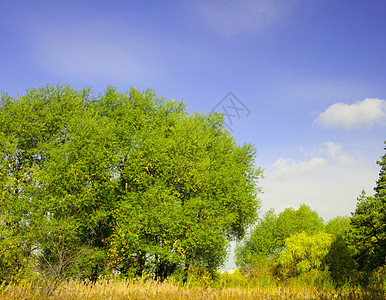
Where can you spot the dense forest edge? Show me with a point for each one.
(127, 189)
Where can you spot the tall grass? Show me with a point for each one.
(130, 289)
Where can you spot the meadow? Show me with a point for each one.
(148, 289)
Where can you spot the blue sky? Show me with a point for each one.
(311, 74)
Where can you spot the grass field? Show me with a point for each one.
(153, 290)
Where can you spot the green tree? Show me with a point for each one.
(368, 225)
(338, 226)
(339, 258)
(30, 127)
(131, 176)
(367, 234)
(267, 238)
(304, 255)
(292, 221)
(187, 189)
(261, 243)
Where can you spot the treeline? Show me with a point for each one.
(297, 247)
(120, 183)
(131, 185)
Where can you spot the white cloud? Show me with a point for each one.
(332, 191)
(332, 149)
(332, 153)
(361, 114)
(286, 167)
(231, 17)
(335, 152)
(326, 178)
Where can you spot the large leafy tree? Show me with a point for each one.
(368, 225)
(186, 190)
(136, 182)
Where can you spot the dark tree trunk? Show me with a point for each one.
(185, 273)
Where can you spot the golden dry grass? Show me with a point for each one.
(153, 290)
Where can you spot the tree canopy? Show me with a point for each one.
(135, 182)
(368, 224)
(267, 238)
(304, 253)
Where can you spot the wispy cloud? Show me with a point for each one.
(327, 178)
(287, 167)
(331, 152)
(231, 17)
(328, 153)
(362, 114)
(336, 153)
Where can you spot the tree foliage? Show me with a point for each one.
(368, 225)
(31, 127)
(267, 238)
(131, 176)
(304, 253)
(187, 190)
(338, 226)
(339, 258)
(261, 242)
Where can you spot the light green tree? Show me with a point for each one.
(267, 238)
(338, 226)
(304, 254)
